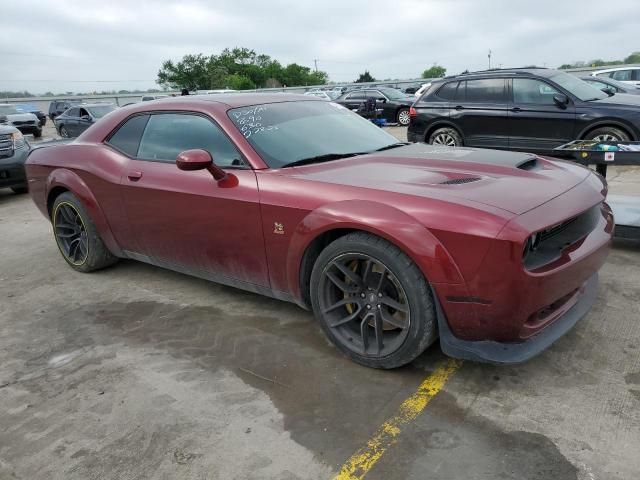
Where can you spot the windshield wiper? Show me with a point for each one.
(393, 145)
(322, 158)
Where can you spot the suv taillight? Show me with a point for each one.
(413, 113)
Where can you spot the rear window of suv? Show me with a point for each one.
(448, 91)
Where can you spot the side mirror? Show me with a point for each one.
(198, 159)
(609, 91)
(382, 100)
(561, 100)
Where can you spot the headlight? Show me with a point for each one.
(18, 140)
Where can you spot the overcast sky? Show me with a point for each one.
(104, 45)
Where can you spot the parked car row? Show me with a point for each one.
(13, 153)
(393, 103)
(532, 110)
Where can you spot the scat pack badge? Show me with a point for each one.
(278, 228)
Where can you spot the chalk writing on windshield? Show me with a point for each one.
(250, 121)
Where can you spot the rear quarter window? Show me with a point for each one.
(127, 137)
(448, 91)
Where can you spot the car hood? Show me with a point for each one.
(513, 182)
(620, 99)
(21, 117)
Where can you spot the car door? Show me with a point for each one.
(186, 220)
(70, 122)
(536, 121)
(85, 120)
(353, 100)
(480, 110)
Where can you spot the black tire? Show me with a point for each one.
(403, 117)
(19, 190)
(445, 136)
(401, 343)
(37, 133)
(73, 226)
(608, 134)
(63, 132)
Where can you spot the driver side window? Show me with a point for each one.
(528, 90)
(168, 134)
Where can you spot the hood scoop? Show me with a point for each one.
(529, 164)
(460, 181)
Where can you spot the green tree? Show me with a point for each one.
(365, 77)
(239, 82)
(633, 58)
(434, 72)
(192, 72)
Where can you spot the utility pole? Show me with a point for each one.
(489, 59)
(315, 62)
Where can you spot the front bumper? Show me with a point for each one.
(12, 173)
(509, 353)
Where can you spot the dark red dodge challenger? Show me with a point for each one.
(392, 245)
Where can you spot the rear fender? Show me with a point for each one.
(379, 219)
(71, 181)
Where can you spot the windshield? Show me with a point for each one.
(26, 107)
(577, 87)
(287, 132)
(392, 93)
(8, 110)
(101, 111)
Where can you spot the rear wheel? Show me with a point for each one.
(77, 237)
(404, 117)
(608, 134)
(372, 301)
(445, 136)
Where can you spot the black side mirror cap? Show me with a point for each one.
(561, 100)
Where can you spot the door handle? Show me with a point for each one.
(134, 176)
(459, 107)
(516, 109)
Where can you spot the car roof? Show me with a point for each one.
(615, 69)
(235, 100)
(503, 72)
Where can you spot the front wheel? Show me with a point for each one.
(404, 117)
(63, 131)
(372, 301)
(77, 237)
(608, 134)
(37, 133)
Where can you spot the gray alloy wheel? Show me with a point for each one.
(63, 132)
(403, 117)
(608, 134)
(446, 137)
(372, 301)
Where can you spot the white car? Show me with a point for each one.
(320, 94)
(25, 122)
(630, 75)
(422, 89)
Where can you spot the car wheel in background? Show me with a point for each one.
(403, 117)
(63, 131)
(445, 136)
(77, 237)
(19, 190)
(37, 133)
(608, 134)
(372, 301)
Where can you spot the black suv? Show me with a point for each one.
(521, 109)
(57, 107)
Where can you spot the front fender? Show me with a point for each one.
(379, 219)
(69, 180)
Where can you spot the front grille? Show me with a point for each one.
(6, 146)
(553, 240)
(460, 181)
(24, 122)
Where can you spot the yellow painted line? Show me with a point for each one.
(359, 464)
